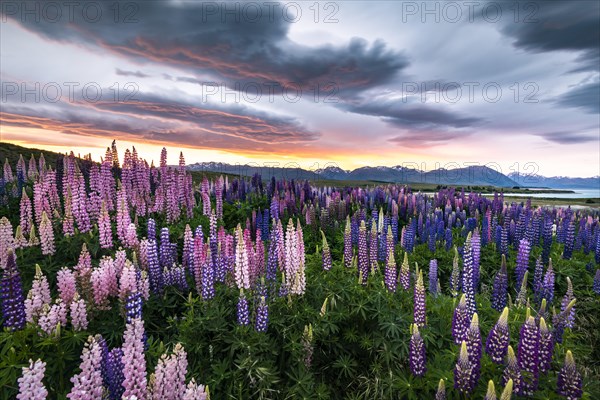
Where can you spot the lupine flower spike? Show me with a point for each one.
(569, 381)
(463, 371)
(491, 391)
(497, 342)
(441, 391)
(417, 353)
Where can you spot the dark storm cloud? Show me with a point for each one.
(136, 74)
(234, 45)
(568, 137)
(571, 25)
(585, 97)
(406, 115)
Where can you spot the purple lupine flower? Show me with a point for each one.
(512, 372)
(134, 363)
(569, 383)
(133, 307)
(419, 301)
(568, 297)
(207, 277)
(363, 253)
(528, 356)
(497, 342)
(11, 295)
(596, 285)
(440, 394)
(31, 386)
(522, 295)
(500, 290)
(522, 260)
(262, 316)
(460, 321)
(113, 373)
(417, 357)
(476, 254)
(326, 254)
(546, 347)
(46, 235)
(433, 277)
(88, 384)
(467, 281)
(474, 348)
(391, 280)
(569, 240)
(548, 284)
(404, 275)
(538, 277)
(154, 271)
(373, 247)
(560, 321)
(243, 314)
(463, 371)
(455, 276)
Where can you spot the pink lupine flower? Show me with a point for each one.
(127, 281)
(52, 316)
(31, 386)
(169, 376)
(291, 261)
(131, 239)
(68, 221)
(20, 241)
(105, 228)
(241, 271)
(195, 392)
(46, 235)
(26, 214)
(78, 313)
(6, 240)
(38, 296)
(65, 280)
(133, 360)
(120, 261)
(88, 384)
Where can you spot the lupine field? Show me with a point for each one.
(122, 280)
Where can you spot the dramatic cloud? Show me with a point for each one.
(585, 97)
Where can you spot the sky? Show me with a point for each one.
(513, 85)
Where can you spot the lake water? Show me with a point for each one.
(579, 194)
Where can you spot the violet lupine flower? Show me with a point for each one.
(207, 277)
(522, 260)
(417, 357)
(528, 356)
(476, 254)
(262, 316)
(455, 277)
(548, 284)
(460, 321)
(560, 321)
(134, 363)
(78, 312)
(433, 277)
(88, 384)
(497, 342)
(373, 247)
(11, 295)
(46, 236)
(568, 297)
(326, 254)
(467, 281)
(546, 347)
(404, 275)
(243, 314)
(390, 272)
(31, 386)
(474, 348)
(65, 281)
(363, 253)
(596, 285)
(569, 383)
(113, 373)
(538, 276)
(154, 271)
(512, 372)
(133, 307)
(463, 371)
(440, 394)
(38, 296)
(500, 290)
(151, 229)
(419, 301)
(569, 240)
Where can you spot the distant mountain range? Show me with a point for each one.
(555, 182)
(469, 176)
